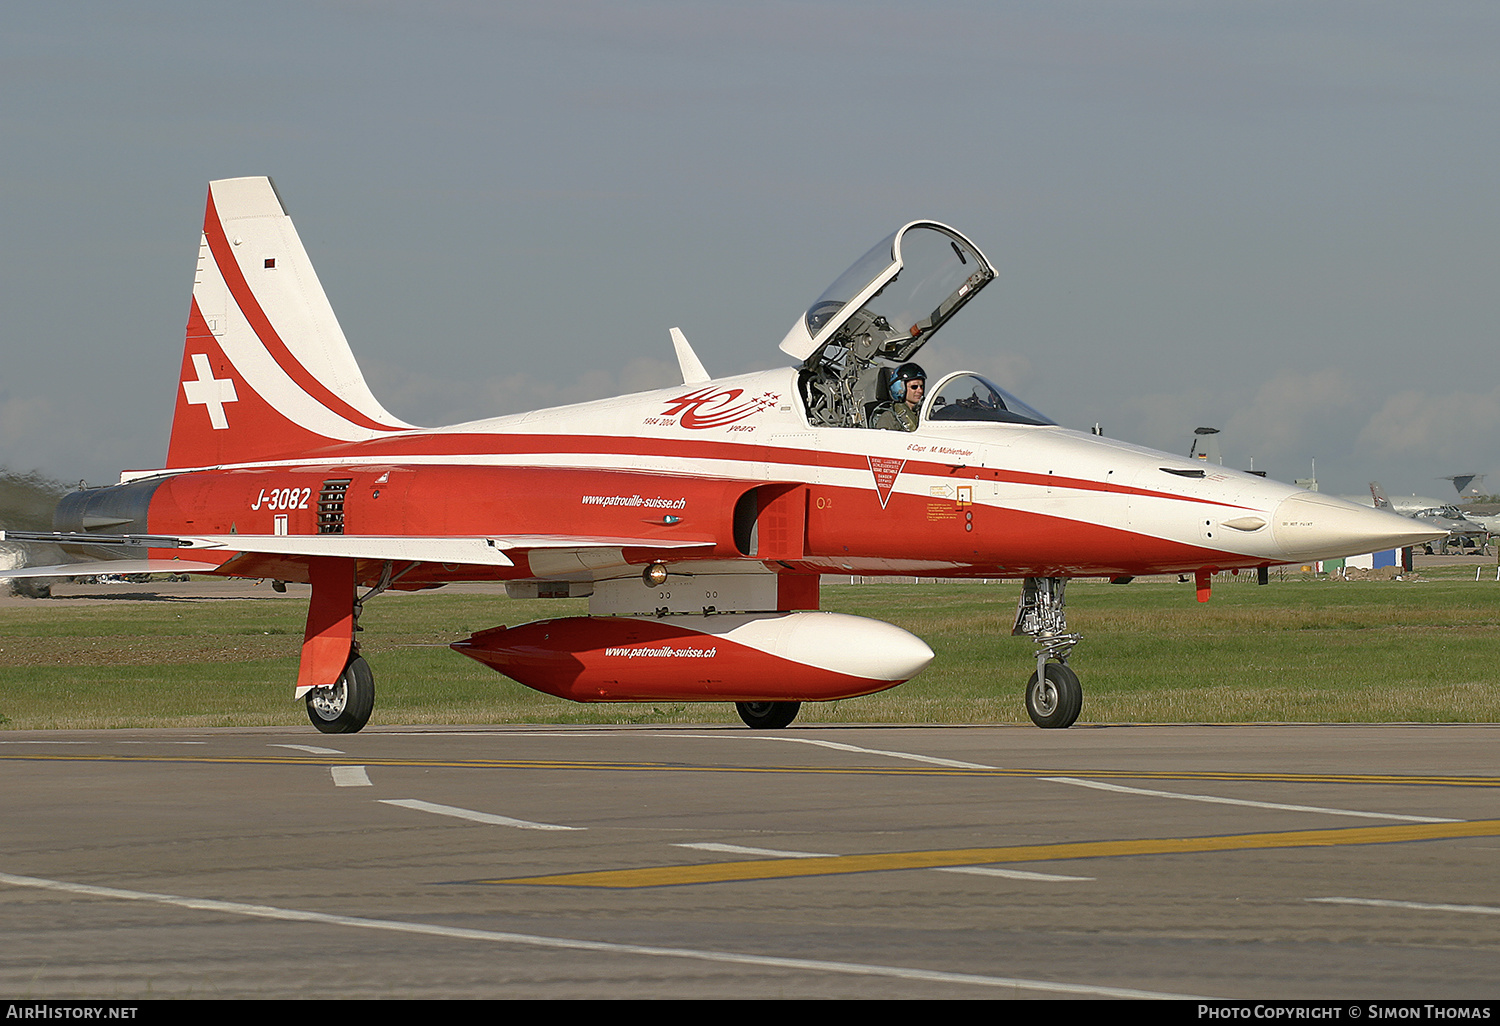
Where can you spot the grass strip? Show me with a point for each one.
(1298, 650)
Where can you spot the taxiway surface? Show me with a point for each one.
(1353, 862)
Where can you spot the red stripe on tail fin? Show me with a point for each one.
(266, 371)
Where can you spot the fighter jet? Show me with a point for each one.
(697, 518)
(1458, 528)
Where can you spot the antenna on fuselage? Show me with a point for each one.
(687, 360)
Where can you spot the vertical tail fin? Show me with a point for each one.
(1378, 494)
(266, 370)
(1206, 445)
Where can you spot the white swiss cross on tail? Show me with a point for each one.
(210, 391)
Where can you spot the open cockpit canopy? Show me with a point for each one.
(878, 314)
(895, 296)
(969, 396)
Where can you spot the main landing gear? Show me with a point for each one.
(344, 706)
(767, 715)
(1054, 697)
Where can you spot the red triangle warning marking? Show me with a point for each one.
(886, 470)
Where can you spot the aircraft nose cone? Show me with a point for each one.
(1312, 526)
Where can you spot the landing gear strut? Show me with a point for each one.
(1054, 696)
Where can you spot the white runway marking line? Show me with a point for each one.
(908, 756)
(740, 849)
(1213, 800)
(563, 943)
(1011, 874)
(1014, 874)
(470, 814)
(836, 745)
(310, 749)
(839, 746)
(350, 776)
(1415, 906)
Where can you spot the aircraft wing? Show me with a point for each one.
(561, 554)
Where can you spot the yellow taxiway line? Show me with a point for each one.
(771, 869)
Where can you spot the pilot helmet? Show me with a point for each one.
(904, 373)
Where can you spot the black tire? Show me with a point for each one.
(767, 715)
(1056, 703)
(344, 707)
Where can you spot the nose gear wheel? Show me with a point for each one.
(767, 715)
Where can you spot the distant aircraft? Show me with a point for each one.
(1462, 481)
(1405, 505)
(1489, 521)
(1206, 446)
(1458, 529)
(697, 518)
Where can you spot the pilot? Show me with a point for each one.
(908, 384)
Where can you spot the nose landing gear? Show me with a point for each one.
(767, 715)
(1054, 697)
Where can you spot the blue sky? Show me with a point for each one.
(1279, 219)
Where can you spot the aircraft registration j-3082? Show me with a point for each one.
(697, 519)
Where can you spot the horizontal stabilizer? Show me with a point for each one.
(112, 566)
(155, 541)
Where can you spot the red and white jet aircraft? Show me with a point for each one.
(697, 518)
